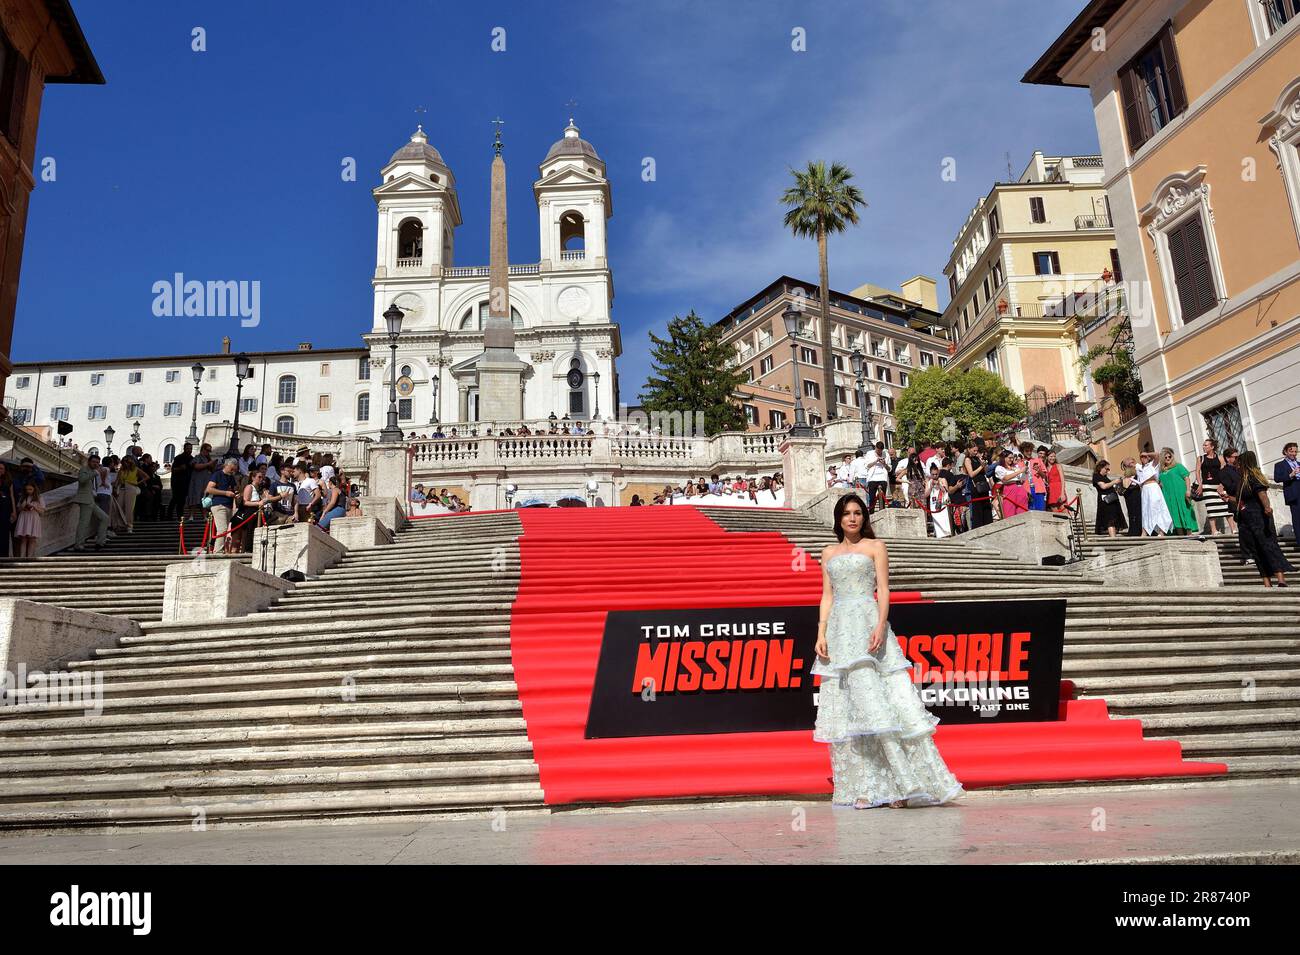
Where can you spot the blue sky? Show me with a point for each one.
(225, 164)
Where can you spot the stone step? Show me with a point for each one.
(440, 611)
(1265, 743)
(294, 658)
(411, 634)
(1226, 700)
(1173, 666)
(1075, 650)
(1230, 678)
(1245, 720)
(331, 803)
(1092, 630)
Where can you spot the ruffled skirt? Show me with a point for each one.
(880, 734)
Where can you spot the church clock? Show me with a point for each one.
(412, 306)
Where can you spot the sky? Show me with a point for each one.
(225, 164)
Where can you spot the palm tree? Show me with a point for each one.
(821, 202)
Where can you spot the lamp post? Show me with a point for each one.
(791, 317)
(198, 369)
(595, 377)
(241, 372)
(592, 488)
(108, 441)
(392, 433)
(510, 494)
(433, 418)
(864, 401)
(135, 435)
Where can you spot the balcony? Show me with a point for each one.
(1093, 222)
(573, 255)
(411, 262)
(481, 271)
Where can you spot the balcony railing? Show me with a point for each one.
(1093, 222)
(575, 255)
(411, 262)
(481, 271)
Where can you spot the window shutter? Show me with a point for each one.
(1173, 75)
(1193, 278)
(1134, 117)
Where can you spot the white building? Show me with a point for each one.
(560, 306)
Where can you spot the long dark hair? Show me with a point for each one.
(844, 502)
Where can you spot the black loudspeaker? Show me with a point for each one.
(1054, 560)
(294, 576)
(64, 427)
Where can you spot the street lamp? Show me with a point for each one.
(510, 494)
(135, 435)
(392, 433)
(595, 377)
(592, 488)
(864, 401)
(433, 418)
(198, 370)
(241, 372)
(791, 317)
(108, 440)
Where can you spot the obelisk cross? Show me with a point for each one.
(496, 145)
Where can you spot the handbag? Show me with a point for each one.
(206, 502)
(1109, 497)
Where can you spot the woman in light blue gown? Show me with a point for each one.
(869, 711)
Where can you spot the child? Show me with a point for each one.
(27, 531)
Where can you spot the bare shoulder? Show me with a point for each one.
(876, 547)
(827, 551)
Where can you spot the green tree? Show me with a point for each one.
(976, 400)
(822, 202)
(691, 373)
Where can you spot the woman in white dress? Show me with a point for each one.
(936, 499)
(1156, 519)
(869, 711)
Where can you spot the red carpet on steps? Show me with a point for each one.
(579, 563)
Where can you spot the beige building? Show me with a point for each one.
(1019, 261)
(897, 332)
(1197, 108)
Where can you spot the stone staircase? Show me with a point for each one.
(385, 687)
(1217, 670)
(382, 688)
(124, 579)
(1237, 571)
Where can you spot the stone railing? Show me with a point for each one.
(17, 443)
(349, 452)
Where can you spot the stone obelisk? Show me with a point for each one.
(499, 369)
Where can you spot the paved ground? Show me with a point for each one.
(1211, 823)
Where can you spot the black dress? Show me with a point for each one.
(7, 518)
(981, 511)
(1253, 532)
(1108, 514)
(1133, 502)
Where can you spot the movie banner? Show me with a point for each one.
(746, 669)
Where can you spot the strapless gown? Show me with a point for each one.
(869, 711)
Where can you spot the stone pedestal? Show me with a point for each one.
(1161, 564)
(388, 472)
(303, 547)
(1030, 536)
(36, 636)
(355, 533)
(388, 510)
(803, 467)
(214, 589)
(894, 523)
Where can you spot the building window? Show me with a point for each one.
(24, 381)
(363, 368)
(927, 360)
(890, 437)
(814, 419)
(765, 365)
(212, 374)
(1115, 268)
(1047, 263)
(952, 286)
(903, 379)
(997, 274)
(886, 405)
(60, 381)
(751, 415)
(988, 294)
(1036, 211)
(284, 424)
(134, 377)
(749, 373)
(288, 390)
(1273, 15)
(59, 413)
(21, 416)
(247, 405)
(1223, 424)
(173, 375)
(322, 402)
(98, 412)
(363, 407)
(775, 419)
(169, 453)
(884, 374)
(324, 369)
(808, 356)
(96, 378)
(135, 410)
(1190, 262)
(840, 397)
(405, 409)
(991, 360)
(993, 223)
(172, 409)
(839, 362)
(1151, 89)
(811, 389)
(14, 72)
(405, 372)
(211, 406)
(1180, 222)
(1283, 134)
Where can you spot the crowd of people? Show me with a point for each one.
(959, 485)
(257, 488)
(1159, 495)
(734, 490)
(429, 501)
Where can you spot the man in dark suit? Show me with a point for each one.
(1287, 473)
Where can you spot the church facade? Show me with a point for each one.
(563, 337)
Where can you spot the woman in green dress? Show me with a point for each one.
(1176, 485)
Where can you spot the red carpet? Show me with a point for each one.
(579, 563)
